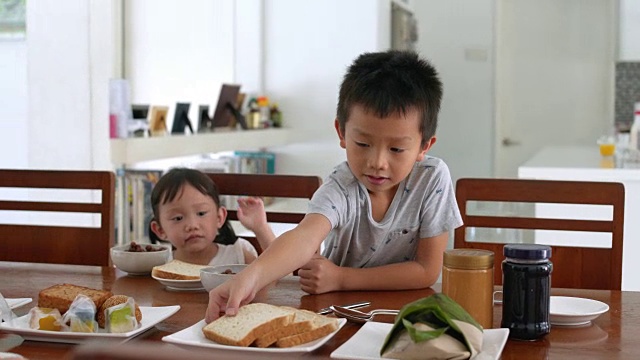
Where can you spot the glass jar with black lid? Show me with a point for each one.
(526, 275)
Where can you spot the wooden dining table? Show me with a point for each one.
(613, 335)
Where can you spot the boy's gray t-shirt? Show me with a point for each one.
(423, 206)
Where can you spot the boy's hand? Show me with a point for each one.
(228, 297)
(319, 276)
(251, 213)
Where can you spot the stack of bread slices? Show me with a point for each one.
(264, 325)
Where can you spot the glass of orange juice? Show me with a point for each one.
(607, 145)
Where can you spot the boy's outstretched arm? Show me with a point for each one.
(320, 275)
(287, 253)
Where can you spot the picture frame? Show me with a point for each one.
(181, 119)
(158, 120)
(205, 122)
(227, 107)
(140, 111)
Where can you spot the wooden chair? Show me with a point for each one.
(573, 267)
(31, 240)
(267, 185)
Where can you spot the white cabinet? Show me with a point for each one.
(584, 163)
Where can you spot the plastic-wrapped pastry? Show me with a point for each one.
(45, 319)
(113, 301)
(81, 315)
(121, 318)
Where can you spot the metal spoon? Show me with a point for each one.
(359, 316)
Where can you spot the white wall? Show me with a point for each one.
(13, 106)
(105, 53)
(69, 59)
(458, 37)
(59, 84)
(308, 46)
(306, 51)
(296, 52)
(178, 53)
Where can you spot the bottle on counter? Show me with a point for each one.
(120, 113)
(526, 286)
(467, 278)
(254, 114)
(265, 112)
(276, 115)
(634, 133)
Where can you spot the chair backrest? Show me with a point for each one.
(37, 229)
(268, 185)
(578, 266)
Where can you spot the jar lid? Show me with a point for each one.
(469, 259)
(527, 251)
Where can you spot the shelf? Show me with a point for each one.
(133, 150)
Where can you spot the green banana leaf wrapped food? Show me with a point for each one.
(435, 327)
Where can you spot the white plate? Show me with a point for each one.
(150, 317)
(193, 336)
(16, 303)
(181, 285)
(574, 311)
(366, 343)
(11, 356)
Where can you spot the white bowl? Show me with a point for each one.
(139, 263)
(213, 276)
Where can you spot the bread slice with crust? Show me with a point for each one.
(251, 322)
(320, 326)
(62, 295)
(302, 322)
(178, 270)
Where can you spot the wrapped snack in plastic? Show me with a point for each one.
(5, 311)
(121, 318)
(45, 319)
(81, 315)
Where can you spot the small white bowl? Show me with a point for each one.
(139, 263)
(213, 276)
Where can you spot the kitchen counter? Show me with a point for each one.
(584, 163)
(580, 160)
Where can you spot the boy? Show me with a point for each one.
(385, 214)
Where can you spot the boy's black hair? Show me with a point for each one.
(170, 185)
(392, 82)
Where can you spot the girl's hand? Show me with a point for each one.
(251, 213)
(319, 276)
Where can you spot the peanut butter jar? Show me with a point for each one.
(467, 278)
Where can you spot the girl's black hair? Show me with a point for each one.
(169, 186)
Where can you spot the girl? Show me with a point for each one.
(187, 213)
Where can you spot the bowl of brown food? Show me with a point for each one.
(139, 259)
(213, 276)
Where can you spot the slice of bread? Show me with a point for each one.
(320, 326)
(178, 270)
(251, 322)
(302, 322)
(62, 295)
